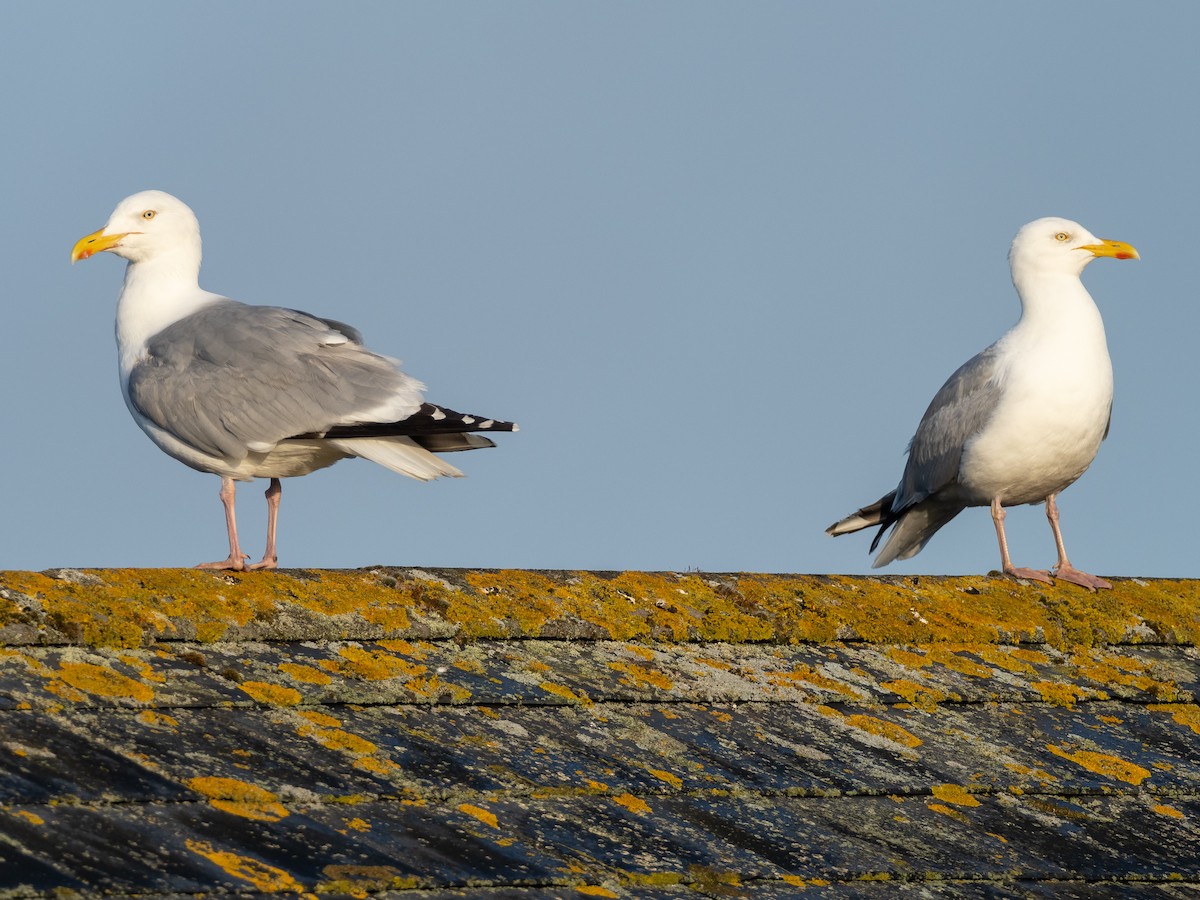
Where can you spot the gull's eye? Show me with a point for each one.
(148, 214)
(1062, 236)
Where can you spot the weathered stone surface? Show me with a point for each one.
(454, 733)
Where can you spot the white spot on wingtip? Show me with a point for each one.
(438, 414)
(468, 420)
(516, 427)
(487, 423)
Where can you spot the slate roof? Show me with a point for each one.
(467, 733)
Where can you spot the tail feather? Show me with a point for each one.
(876, 513)
(914, 527)
(400, 454)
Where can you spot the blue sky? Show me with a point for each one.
(714, 257)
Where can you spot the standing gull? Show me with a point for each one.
(1020, 421)
(256, 391)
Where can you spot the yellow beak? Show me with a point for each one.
(95, 242)
(1115, 249)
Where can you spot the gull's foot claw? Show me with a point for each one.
(235, 564)
(1092, 582)
(1031, 574)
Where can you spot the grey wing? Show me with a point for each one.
(233, 378)
(957, 412)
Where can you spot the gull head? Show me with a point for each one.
(1055, 246)
(144, 227)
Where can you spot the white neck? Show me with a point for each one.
(1057, 301)
(156, 294)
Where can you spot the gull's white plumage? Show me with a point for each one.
(246, 391)
(1023, 419)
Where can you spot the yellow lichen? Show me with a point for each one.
(320, 718)
(478, 812)
(595, 890)
(638, 676)
(955, 794)
(1185, 714)
(306, 674)
(1163, 810)
(155, 719)
(1103, 764)
(918, 695)
(262, 876)
(948, 811)
(239, 798)
(271, 694)
(104, 682)
(673, 780)
(559, 690)
(632, 803)
(31, 817)
(373, 666)
(1060, 693)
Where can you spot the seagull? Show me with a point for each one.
(250, 392)
(1020, 421)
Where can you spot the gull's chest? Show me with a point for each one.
(1048, 424)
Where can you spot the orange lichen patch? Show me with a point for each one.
(240, 798)
(639, 676)
(1111, 668)
(948, 811)
(320, 718)
(875, 726)
(918, 695)
(714, 663)
(1009, 659)
(673, 780)
(155, 719)
(467, 664)
(306, 674)
(908, 658)
(358, 824)
(644, 652)
(143, 668)
(1163, 810)
(1039, 774)
(342, 741)
(595, 890)
(371, 665)
(632, 803)
(1186, 714)
(376, 766)
(31, 817)
(1103, 764)
(949, 657)
(1061, 693)
(809, 675)
(955, 794)
(630, 605)
(271, 694)
(559, 690)
(364, 881)
(104, 682)
(478, 812)
(262, 876)
(1111, 720)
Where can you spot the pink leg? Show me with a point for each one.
(270, 558)
(1064, 569)
(236, 558)
(1006, 565)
